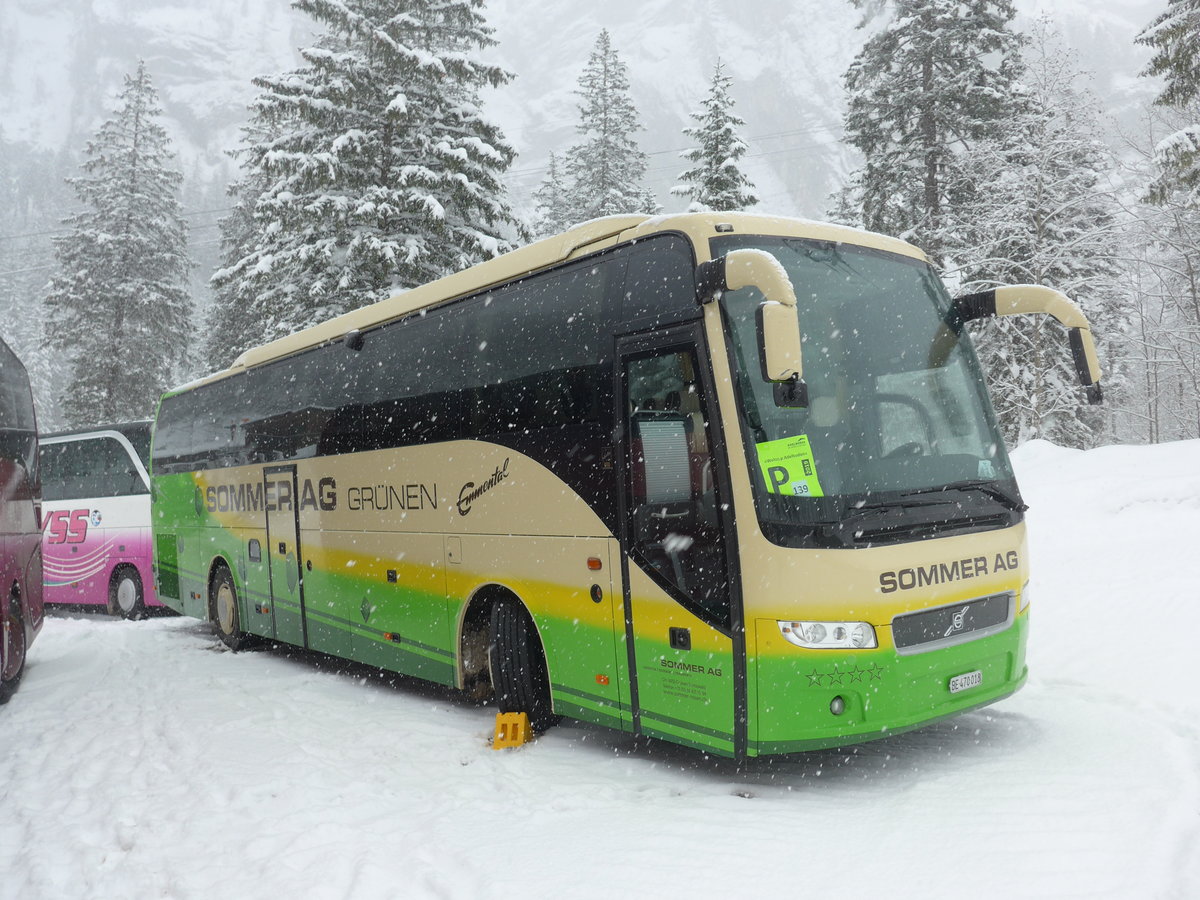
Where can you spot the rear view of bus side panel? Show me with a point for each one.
(20, 549)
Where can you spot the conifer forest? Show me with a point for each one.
(378, 146)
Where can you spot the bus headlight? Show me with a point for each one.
(830, 635)
(1024, 597)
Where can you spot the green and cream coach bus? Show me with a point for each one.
(728, 480)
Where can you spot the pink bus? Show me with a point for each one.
(96, 518)
(20, 550)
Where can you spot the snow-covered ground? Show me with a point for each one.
(143, 761)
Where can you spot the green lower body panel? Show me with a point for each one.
(586, 707)
(696, 737)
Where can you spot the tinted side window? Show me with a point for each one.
(290, 402)
(528, 356)
(139, 436)
(540, 344)
(520, 358)
(660, 286)
(95, 467)
(401, 388)
(203, 427)
(17, 428)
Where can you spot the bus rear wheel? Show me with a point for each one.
(223, 610)
(125, 595)
(12, 665)
(518, 668)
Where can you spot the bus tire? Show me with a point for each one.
(223, 610)
(518, 668)
(125, 595)
(14, 647)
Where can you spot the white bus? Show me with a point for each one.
(96, 512)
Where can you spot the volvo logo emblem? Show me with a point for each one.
(956, 623)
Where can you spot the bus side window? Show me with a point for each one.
(18, 434)
(660, 285)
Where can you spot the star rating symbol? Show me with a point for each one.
(857, 675)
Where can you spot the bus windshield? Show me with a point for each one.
(898, 439)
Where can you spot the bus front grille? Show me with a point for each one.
(931, 629)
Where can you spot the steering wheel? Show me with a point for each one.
(912, 448)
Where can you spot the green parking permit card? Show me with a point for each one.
(789, 468)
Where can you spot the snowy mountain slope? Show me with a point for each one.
(141, 760)
(61, 62)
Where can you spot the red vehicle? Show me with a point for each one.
(20, 522)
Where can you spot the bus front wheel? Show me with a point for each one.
(223, 610)
(12, 665)
(125, 595)
(518, 667)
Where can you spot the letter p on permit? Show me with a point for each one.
(779, 477)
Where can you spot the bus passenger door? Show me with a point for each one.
(283, 551)
(678, 613)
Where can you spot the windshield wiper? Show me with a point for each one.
(889, 512)
(993, 489)
(897, 513)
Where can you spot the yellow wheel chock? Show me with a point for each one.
(512, 730)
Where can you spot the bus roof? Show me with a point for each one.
(120, 427)
(582, 240)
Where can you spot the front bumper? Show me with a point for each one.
(793, 690)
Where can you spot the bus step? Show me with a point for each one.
(512, 730)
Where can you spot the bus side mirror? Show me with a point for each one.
(779, 353)
(1026, 299)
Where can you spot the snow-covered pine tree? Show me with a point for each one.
(33, 199)
(228, 328)
(1175, 37)
(1045, 217)
(118, 307)
(715, 182)
(845, 204)
(938, 76)
(551, 201)
(379, 169)
(1164, 242)
(606, 168)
